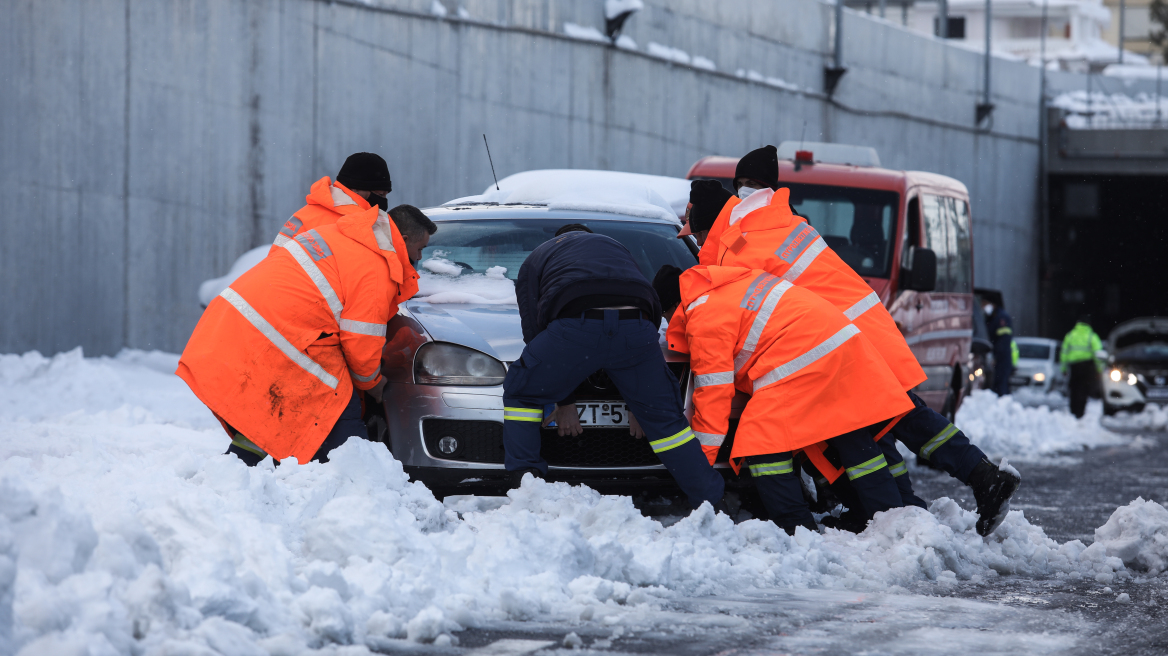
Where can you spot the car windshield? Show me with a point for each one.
(480, 244)
(1033, 351)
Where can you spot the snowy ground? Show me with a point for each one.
(125, 530)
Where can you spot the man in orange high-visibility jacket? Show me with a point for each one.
(278, 355)
(760, 231)
(811, 374)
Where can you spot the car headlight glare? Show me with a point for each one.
(1039, 377)
(1116, 375)
(449, 364)
(1131, 379)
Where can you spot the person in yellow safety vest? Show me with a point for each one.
(1014, 354)
(1078, 355)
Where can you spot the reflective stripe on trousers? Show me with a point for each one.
(867, 467)
(938, 439)
(807, 359)
(899, 469)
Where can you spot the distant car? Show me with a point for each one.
(1137, 371)
(1038, 366)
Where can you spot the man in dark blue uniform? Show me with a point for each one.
(1001, 329)
(584, 306)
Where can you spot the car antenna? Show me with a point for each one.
(491, 161)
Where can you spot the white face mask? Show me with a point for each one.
(988, 308)
(744, 191)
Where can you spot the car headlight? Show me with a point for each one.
(1116, 375)
(1131, 379)
(449, 364)
(1039, 377)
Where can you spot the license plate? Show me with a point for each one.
(1158, 393)
(602, 414)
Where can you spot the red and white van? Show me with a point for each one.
(890, 226)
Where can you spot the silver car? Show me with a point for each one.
(447, 351)
(1038, 364)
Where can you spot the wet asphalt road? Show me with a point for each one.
(1008, 615)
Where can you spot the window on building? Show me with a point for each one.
(956, 27)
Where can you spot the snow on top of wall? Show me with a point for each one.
(584, 33)
(755, 76)
(131, 531)
(1137, 72)
(665, 52)
(437, 9)
(633, 194)
(704, 64)
(626, 42)
(614, 8)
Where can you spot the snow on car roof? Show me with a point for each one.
(632, 194)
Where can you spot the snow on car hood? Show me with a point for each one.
(631, 194)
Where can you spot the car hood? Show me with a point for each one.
(492, 329)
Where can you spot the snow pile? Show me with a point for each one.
(1034, 397)
(443, 281)
(1103, 110)
(584, 33)
(209, 289)
(667, 53)
(614, 8)
(755, 76)
(632, 194)
(1002, 427)
(1137, 534)
(132, 532)
(1152, 417)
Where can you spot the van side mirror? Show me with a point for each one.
(921, 273)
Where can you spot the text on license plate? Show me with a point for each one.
(603, 413)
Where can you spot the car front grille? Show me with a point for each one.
(482, 442)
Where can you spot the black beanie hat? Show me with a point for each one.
(365, 172)
(708, 197)
(667, 284)
(761, 165)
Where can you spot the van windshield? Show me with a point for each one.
(858, 224)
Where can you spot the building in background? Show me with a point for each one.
(1137, 25)
(1076, 30)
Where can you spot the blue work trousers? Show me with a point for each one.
(1003, 366)
(348, 425)
(931, 436)
(570, 350)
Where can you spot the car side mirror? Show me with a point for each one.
(1101, 354)
(921, 273)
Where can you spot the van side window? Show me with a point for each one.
(961, 261)
(935, 211)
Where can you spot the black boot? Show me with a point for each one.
(992, 488)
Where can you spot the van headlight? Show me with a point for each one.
(449, 364)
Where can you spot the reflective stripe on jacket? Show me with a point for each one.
(327, 202)
(1080, 345)
(762, 233)
(277, 353)
(752, 331)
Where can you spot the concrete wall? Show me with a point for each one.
(147, 144)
